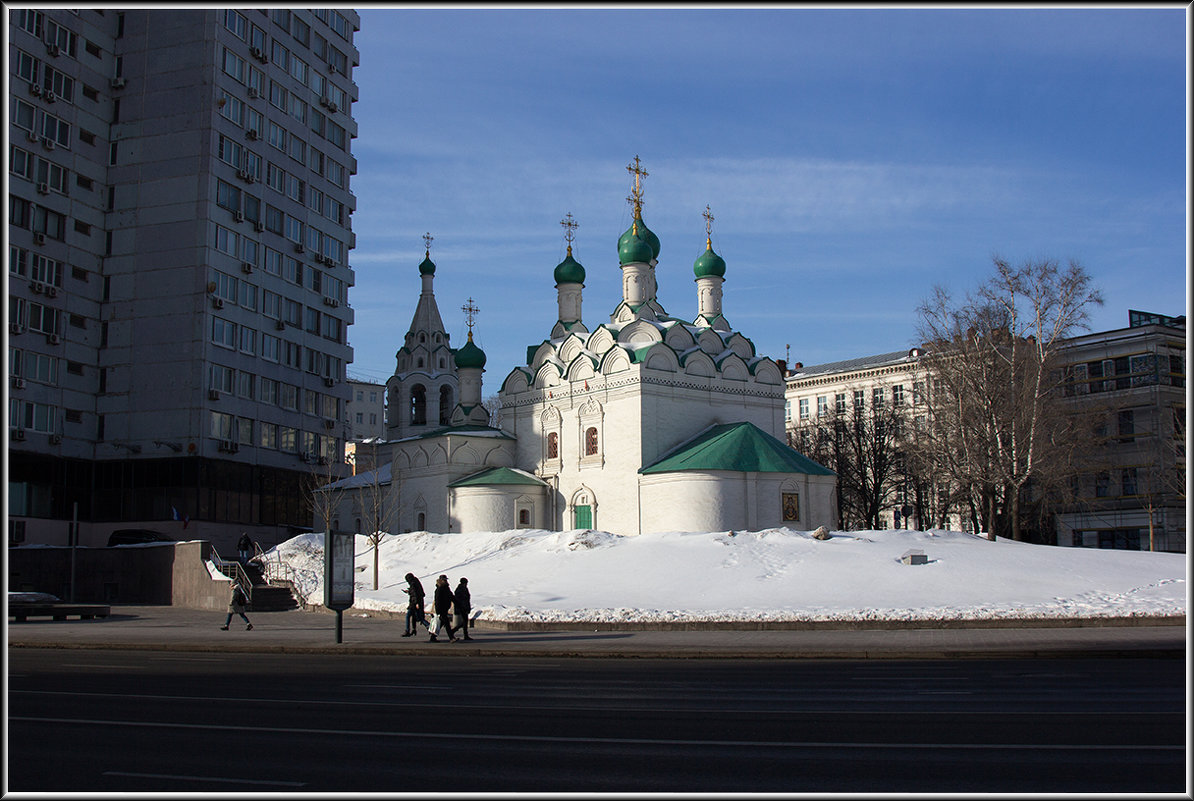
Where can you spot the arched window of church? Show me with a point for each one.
(524, 518)
(590, 441)
(437, 339)
(422, 337)
(421, 524)
(418, 405)
(420, 364)
(553, 445)
(441, 362)
(445, 404)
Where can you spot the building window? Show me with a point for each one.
(859, 398)
(822, 405)
(591, 441)
(1102, 484)
(1129, 481)
(897, 394)
(524, 518)
(1127, 425)
(553, 445)
(877, 397)
(803, 406)
(839, 403)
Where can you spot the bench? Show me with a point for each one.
(24, 611)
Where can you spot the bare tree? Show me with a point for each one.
(862, 443)
(375, 502)
(319, 487)
(493, 404)
(997, 420)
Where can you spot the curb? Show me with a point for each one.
(676, 653)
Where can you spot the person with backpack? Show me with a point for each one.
(415, 613)
(237, 604)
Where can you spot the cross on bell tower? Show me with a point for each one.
(708, 215)
(427, 240)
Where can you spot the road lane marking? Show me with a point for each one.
(809, 707)
(201, 778)
(533, 738)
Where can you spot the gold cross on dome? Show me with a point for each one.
(570, 226)
(427, 240)
(708, 215)
(470, 315)
(636, 194)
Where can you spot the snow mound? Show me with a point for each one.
(771, 575)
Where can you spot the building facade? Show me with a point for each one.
(1129, 382)
(180, 228)
(366, 417)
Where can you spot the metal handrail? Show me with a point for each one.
(277, 570)
(238, 572)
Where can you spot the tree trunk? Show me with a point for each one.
(376, 548)
(1014, 513)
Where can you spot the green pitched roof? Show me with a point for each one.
(498, 475)
(738, 447)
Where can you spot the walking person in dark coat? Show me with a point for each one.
(462, 604)
(245, 546)
(415, 613)
(237, 604)
(443, 609)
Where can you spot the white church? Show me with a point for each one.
(641, 424)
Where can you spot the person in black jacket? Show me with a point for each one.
(415, 613)
(443, 609)
(462, 604)
(245, 546)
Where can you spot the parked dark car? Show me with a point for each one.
(137, 536)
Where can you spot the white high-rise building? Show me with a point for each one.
(179, 231)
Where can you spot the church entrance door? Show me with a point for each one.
(583, 516)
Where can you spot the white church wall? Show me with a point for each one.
(690, 502)
(725, 501)
(495, 507)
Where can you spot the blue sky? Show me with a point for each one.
(852, 158)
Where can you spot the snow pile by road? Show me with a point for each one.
(751, 576)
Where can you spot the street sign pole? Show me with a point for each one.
(339, 563)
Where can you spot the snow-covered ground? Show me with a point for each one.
(771, 575)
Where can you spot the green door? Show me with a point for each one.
(583, 516)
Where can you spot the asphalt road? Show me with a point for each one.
(139, 721)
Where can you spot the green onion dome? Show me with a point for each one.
(427, 267)
(649, 235)
(470, 355)
(709, 263)
(569, 271)
(634, 247)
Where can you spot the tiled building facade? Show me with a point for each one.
(179, 230)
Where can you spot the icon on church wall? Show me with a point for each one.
(791, 503)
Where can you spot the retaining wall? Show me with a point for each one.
(158, 574)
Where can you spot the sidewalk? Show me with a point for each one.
(297, 631)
